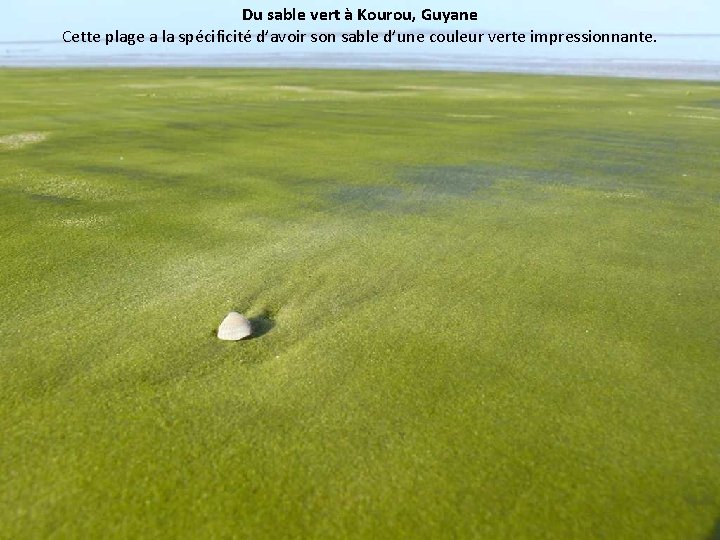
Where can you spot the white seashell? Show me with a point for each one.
(234, 327)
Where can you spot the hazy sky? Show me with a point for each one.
(46, 19)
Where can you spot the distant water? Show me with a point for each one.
(673, 57)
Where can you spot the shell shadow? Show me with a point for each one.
(260, 325)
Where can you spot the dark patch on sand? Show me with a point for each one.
(459, 181)
(377, 198)
(422, 189)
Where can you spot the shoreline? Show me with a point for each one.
(671, 70)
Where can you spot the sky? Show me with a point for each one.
(28, 20)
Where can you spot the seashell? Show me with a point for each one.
(234, 327)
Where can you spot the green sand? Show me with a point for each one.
(490, 305)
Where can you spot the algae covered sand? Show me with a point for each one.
(489, 305)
